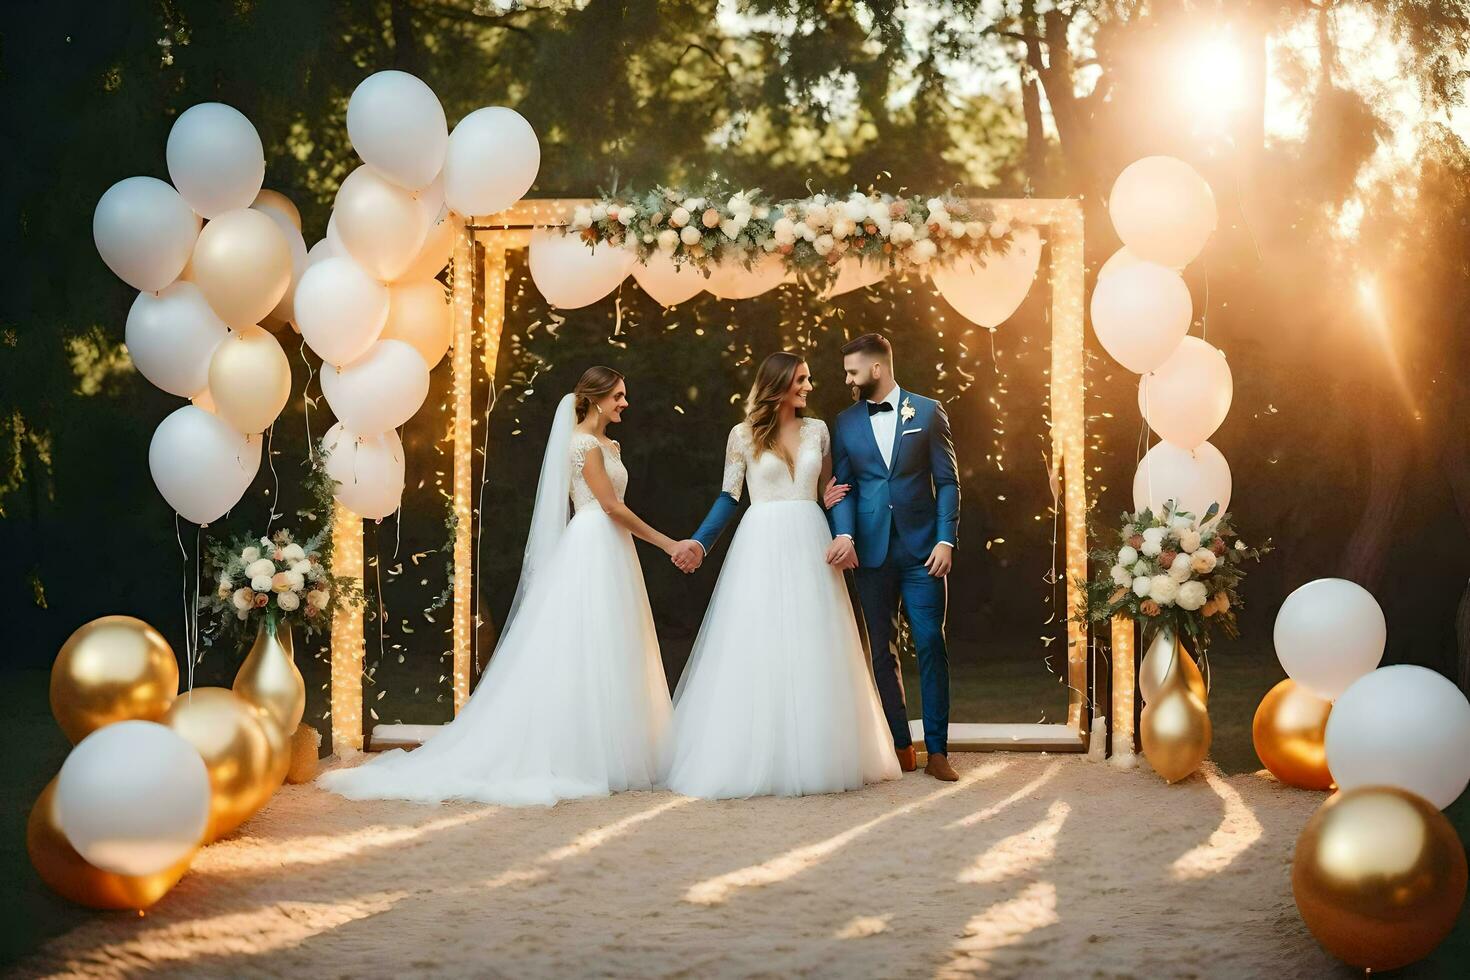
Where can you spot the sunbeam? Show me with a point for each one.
(1021, 852)
(1017, 796)
(1003, 924)
(1238, 830)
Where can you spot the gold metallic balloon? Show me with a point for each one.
(1290, 734)
(236, 751)
(249, 378)
(116, 668)
(65, 871)
(1175, 730)
(305, 746)
(269, 679)
(1165, 655)
(1379, 877)
(280, 744)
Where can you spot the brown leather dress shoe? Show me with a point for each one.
(908, 758)
(938, 766)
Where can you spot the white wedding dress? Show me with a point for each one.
(574, 702)
(778, 698)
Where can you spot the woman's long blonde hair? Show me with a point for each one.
(763, 404)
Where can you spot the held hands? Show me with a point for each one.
(940, 560)
(841, 553)
(835, 492)
(687, 555)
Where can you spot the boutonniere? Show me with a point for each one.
(907, 411)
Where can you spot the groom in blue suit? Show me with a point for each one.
(898, 526)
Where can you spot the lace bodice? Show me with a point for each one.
(767, 474)
(582, 444)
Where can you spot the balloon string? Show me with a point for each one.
(188, 638)
(194, 611)
(306, 402)
(1204, 317)
(490, 399)
(275, 477)
(382, 603)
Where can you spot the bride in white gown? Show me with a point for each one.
(778, 698)
(574, 702)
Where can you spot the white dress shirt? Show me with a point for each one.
(885, 424)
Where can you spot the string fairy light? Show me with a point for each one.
(1123, 688)
(463, 320)
(347, 635)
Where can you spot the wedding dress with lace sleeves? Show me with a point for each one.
(778, 698)
(574, 701)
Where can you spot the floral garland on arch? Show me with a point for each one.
(1170, 569)
(715, 225)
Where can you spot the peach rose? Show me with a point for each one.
(281, 582)
(261, 598)
(1149, 608)
(711, 218)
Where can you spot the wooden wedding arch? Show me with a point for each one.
(479, 266)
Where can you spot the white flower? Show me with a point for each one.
(1153, 534)
(1121, 577)
(261, 568)
(975, 229)
(818, 217)
(626, 215)
(1000, 229)
(1140, 567)
(804, 230)
(1189, 539)
(300, 567)
(1164, 590)
(957, 230)
(694, 203)
(1142, 585)
(1151, 546)
(730, 227)
(599, 211)
(934, 204)
(261, 583)
(648, 239)
(856, 209)
(668, 239)
(1239, 545)
(1127, 555)
(902, 232)
(294, 552)
(878, 213)
(296, 580)
(318, 598)
(1180, 521)
(843, 227)
(784, 231)
(265, 543)
(288, 601)
(689, 235)
(1179, 570)
(823, 244)
(769, 244)
(924, 250)
(243, 599)
(679, 218)
(1191, 595)
(582, 217)
(249, 555)
(762, 213)
(1203, 561)
(738, 204)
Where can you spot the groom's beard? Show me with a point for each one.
(864, 391)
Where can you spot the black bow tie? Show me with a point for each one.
(875, 407)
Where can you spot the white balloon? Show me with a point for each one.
(1193, 479)
(1186, 398)
(321, 251)
(286, 308)
(854, 273)
(341, 309)
(200, 464)
(492, 161)
(1401, 726)
(1122, 259)
(1163, 210)
(215, 158)
(144, 232)
(418, 313)
(397, 125)
(668, 282)
(170, 337)
(133, 798)
(438, 246)
(988, 293)
(368, 470)
(333, 236)
(1329, 633)
(430, 201)
(570, 274)
(379, 223)
(1140, 313)
(380, 390)
(731, 280)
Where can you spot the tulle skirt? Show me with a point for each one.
(574, 702)
(778, 698)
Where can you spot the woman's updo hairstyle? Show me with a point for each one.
(596, 383)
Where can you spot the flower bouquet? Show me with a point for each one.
(1170, 569)
(276, 580)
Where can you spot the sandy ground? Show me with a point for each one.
(1031, 865)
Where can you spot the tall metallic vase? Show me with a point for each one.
(269, 679)
(1175, 726)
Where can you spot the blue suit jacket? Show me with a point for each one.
(919, 495)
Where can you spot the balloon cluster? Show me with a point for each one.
(369, 303)
(216, 260)
(1141, 311)
(1379, 874)
(154, 775)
